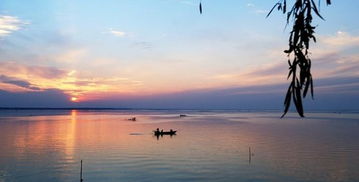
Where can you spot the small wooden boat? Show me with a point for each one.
(172, 132)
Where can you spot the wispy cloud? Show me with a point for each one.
(343, 39)
(18, 82)
(250, 5)
(71, 56)
(16, 77)
(261, 11)
(17, 69)
(9, 24)
(332, 56)
(190, 3)
(143, 45)
(117, 33)
(255, 9)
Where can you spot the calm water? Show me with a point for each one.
(209, 146)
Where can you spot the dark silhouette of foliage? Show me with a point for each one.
(300, 36)
(302, 33)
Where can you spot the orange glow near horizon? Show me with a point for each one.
(74, 99)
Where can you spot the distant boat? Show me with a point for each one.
(132, 119)
(171, 132)
(183, 115)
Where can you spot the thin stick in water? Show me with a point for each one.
(81, 180)
(249, 155)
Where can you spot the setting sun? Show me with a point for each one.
(74, 99)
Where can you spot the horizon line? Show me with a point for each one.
(173, 109)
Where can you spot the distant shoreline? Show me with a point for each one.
(168, 109)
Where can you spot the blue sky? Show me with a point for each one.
(118, 53)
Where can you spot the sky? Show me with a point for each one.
(165, 54)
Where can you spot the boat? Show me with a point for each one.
(171, 132)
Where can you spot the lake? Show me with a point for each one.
(48, 145)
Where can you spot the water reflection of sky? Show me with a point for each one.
(209, 147)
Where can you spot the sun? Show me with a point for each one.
(74, 99)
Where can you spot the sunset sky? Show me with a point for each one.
(164, 54)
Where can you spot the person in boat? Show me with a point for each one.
(161, 131)
(132, 119)
(171, 131)
(158, 130)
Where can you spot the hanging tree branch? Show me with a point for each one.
(300, 36)
(302, 33)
